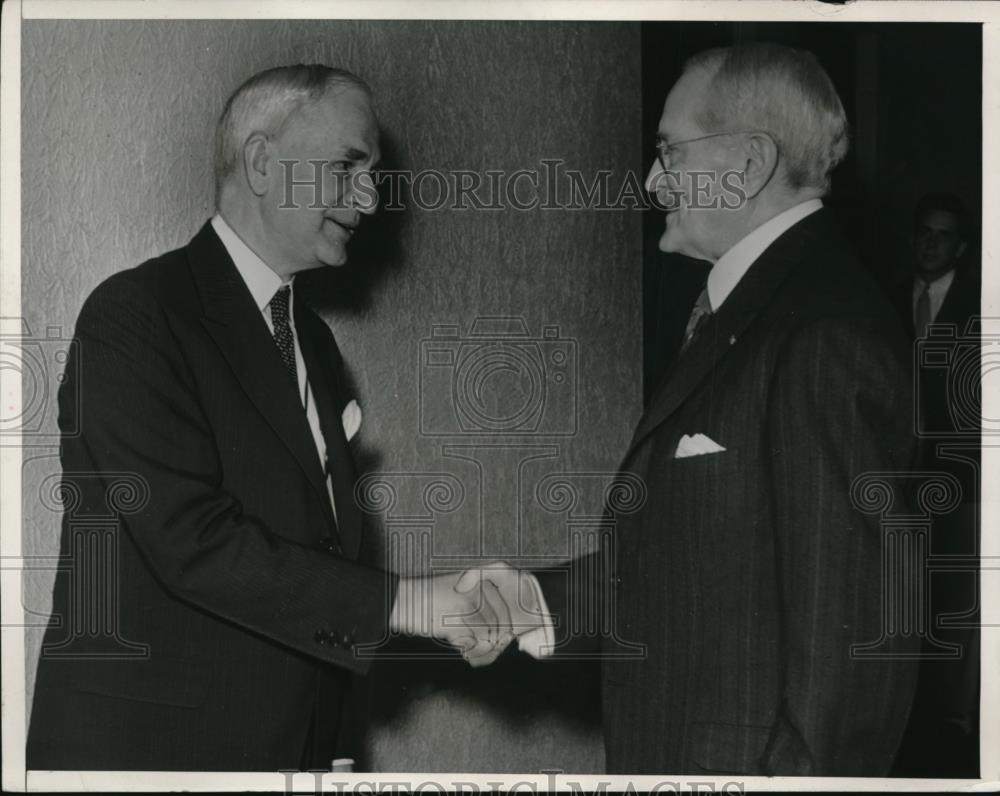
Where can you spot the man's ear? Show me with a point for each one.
(961, 250)
(257, 163)
(761, 163)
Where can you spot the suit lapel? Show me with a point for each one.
(240, 331)
(952, 310)
(720, 333)
(329, 400)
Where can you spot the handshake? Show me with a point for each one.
(478, 611)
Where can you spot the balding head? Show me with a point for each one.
(265, 102)
(295, 149)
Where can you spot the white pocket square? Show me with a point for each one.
(696, 445)
(351, 419)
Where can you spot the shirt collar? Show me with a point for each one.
(939, 285)
(262, 282)
(730, 268)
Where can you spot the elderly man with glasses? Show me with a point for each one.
(755, 575)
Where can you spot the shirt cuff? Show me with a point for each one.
(540, 641)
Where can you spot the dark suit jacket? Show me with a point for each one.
(948, 443)
(749, 574)
(229, 569)
(961, 304)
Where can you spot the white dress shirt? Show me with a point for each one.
(263, 283)
(731, 266)
(936, 292)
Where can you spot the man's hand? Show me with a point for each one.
(478, 611)
(520, 594)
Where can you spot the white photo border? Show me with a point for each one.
(14, 710)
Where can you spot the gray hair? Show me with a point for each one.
(783, 92)
(265, 102)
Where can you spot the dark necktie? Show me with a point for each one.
(283, 329)
(700, 314)
(922, 312)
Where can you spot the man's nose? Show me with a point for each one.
(364, 194)
(653, 178)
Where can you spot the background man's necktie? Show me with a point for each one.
(283, 329)
(700, 313)
(922, 312)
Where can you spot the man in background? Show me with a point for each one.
(942, 286)
(209, 386)
(936, 302)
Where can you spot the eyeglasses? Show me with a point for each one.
(664, 147)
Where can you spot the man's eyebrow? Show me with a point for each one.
(356, 155)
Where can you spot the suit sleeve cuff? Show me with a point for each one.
(538, 642)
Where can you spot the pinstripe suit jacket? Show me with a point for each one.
(748, 574)
(234, 622)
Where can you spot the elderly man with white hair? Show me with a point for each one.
(753, 577)
(234, 606)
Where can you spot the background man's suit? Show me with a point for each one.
(748, 574)
(961, 302)
(235, 572)
(942, 738)
(960, 305)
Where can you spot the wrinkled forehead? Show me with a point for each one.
(683, 105)
(342, 123)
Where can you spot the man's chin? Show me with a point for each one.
(677, 239)
(669, 243)
(332, 256)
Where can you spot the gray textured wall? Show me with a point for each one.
(117, 122)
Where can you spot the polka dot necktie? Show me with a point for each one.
(283, 329)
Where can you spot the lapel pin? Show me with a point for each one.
(732, 339)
